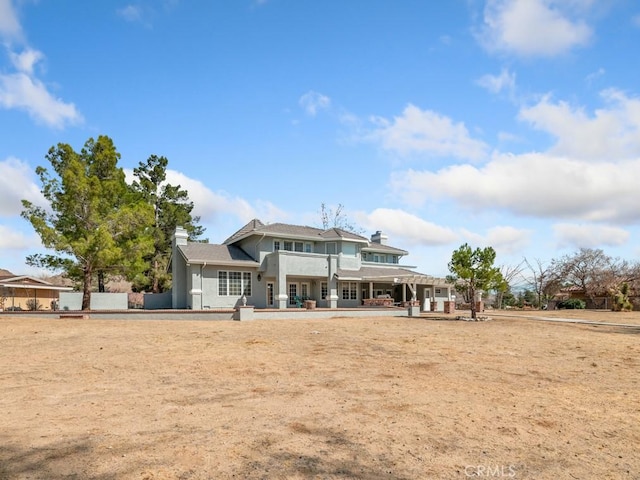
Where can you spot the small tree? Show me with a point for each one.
(621, 302)
(474, 269)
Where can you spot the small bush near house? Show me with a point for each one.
(572, 303)
(33, 304)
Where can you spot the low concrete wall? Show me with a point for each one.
(157, 301)
(223, 314)
(99, 301)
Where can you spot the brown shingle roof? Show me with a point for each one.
(211, 253)
(294, 231)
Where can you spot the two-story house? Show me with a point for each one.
(276, 265)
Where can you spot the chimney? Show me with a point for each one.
(379, 237)
(180, 236)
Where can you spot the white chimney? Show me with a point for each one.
(379, 237)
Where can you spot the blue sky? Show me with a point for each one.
(510, 123)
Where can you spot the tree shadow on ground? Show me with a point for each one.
(631, 330)
(336, 457)
(46, 462)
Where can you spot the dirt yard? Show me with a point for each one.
(384, 398)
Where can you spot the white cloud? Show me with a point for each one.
(131, 13)
(9, 24)
(499, 83)
(504, 239)
(533, 184)
(12, 239)
(16, 185)
(412, 229)
(312, 101)
(210, 205)
(589, 235)
(26, 60)
(426, 132)
(534, 27)
(612, 132)
(20, 91)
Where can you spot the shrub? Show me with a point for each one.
(573, 303)
(33, 304)
(621, 302)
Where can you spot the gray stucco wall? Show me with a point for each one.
(157, 301)
(99, 301)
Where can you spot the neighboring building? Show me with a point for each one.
(21, 292)
(279, 265)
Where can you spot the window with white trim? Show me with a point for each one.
(323, 290)
(288, 245)
(349, 290)
(234, 283)
(276, 245)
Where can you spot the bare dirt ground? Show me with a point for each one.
(383, 398)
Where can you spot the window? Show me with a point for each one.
(276, 245)
(234, 283)
(222, 284)
(288, 245)
(349, 290)
(331, 248)
(304, 290)
(323, 290)
(246, 283)
(307, 247)
(298, 246)
(348, 249)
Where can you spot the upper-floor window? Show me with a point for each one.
(288, 245)
(349, 249)
(276, 245)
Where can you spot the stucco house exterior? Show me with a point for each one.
(278, 265)
(22, 292)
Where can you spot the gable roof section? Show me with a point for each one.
(244, 231)
(24, 281)
(339, 234)
(286, 230)
(215, 254)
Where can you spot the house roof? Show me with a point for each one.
(25, 281)
(395, 275)
(211, 253)
(287, 230)
(378, 247)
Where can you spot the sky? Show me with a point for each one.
(506, 123)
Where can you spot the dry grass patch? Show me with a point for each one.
(376, 398)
